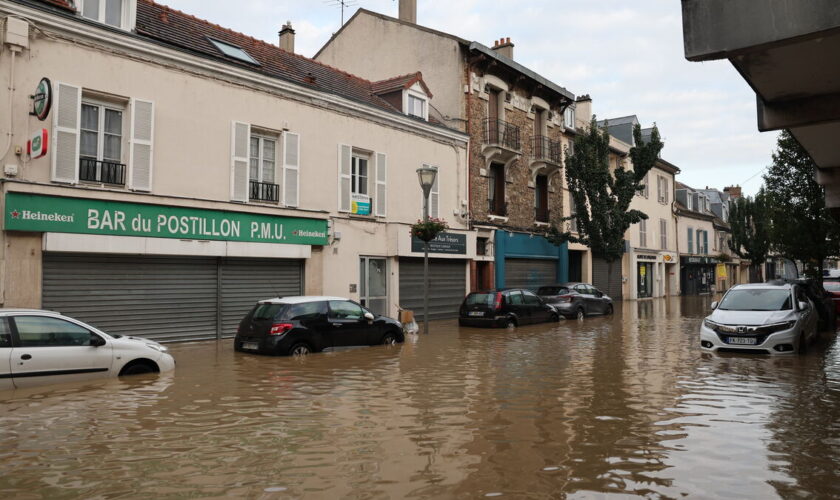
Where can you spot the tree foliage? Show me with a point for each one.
(749, 220)
(801, 227)
(601, 195)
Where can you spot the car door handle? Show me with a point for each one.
(336, 324)
(26, 356)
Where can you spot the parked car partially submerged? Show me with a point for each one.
(507, 307)
(44, 347)
(576, 300)
(763, 318)
(301, 325)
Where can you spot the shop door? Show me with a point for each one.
(644, 279)
(447, 287)
(373, 279)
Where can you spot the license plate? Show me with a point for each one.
(250, 345)
(741, 340)
(476, 313)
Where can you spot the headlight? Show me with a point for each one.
(158, 347)
(711, 325)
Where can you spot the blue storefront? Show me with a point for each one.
(528, 261)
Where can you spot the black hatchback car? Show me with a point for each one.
(505, 308)
(302, 325)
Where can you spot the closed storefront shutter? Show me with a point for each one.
(606, 279)
(530, 273)
(245, 281)
(162, 298)
(447, 287)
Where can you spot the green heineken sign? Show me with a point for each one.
(33, 212)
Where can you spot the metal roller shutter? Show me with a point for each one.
(606, 280)
(530, 273)
(447, 287)
(162, 298)
(245, 281)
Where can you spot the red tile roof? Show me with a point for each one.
(185, 31)
(400, 83)
(64, 4)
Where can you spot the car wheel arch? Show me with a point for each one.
(150, 364)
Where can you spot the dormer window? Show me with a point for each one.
(416, 106)
(116, 13)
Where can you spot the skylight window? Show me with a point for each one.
(233, 51)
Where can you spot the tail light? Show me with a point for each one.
(565, 298)
(280, 328)
(498, 304)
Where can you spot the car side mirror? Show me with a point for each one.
(369, 316)
(803, 306)
(96, 341)
(714, 305)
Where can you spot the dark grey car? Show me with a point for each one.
(576, 300)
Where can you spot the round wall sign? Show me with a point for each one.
(42, 100)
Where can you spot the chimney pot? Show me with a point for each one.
(504, 47)
(287, 37)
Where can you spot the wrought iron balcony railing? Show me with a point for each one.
(265, 191)
(106, 172)
(546, 149)
(501, 133)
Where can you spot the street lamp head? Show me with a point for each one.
(427, 176)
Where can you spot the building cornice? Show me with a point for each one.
(148, 50)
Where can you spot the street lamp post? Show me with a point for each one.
(427, 180)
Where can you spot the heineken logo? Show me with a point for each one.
(15, 214)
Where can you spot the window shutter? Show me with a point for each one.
(381, 185)
(291, 168)
(434, 198)
(140, 155)
(705, 242)
(66, 120)
(345, 154)
(240, 134)
(690, 240)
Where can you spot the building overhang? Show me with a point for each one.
(786, 51)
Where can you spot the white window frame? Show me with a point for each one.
(128, 13)
(262, 136)
(354, 173)
(100, 133)
(569, 117)
(408, 95)
(689, 198)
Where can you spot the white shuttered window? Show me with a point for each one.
(240, 135)
(381, 194)
(141, 151)
(66, 121)
(291, 169)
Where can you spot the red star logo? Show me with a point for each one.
(15, 214)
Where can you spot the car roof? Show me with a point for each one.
(300, 299)
(16, 310)
(768, 286)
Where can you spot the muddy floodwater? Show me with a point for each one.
(617, 406)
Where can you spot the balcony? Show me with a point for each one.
(106, 172)
(501, 140)
(547, 155)
(264, 191)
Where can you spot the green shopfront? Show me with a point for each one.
(170, 273)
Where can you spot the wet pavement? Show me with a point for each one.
(616, 406)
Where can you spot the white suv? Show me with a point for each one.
(763, 318)
(44, 347)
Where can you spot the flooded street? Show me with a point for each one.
(622, 405)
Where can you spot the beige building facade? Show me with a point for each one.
(186, 178)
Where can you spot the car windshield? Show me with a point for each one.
(756, 299)
(477, 299)
(552, 290)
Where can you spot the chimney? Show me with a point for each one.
(504, 47)
(408, 11)
(734, 191)
(583, 110)
(287, 37)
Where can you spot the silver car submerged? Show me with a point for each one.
(760, 318)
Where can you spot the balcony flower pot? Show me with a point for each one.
(427, 231)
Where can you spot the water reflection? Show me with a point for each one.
(623, 405)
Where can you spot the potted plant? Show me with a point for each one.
(428, 230)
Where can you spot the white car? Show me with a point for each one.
(761, 318)
(44, 347)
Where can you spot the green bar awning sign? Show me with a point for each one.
(34, 212)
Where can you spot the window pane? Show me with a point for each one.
(113, 12)
(255, 168)
(269, 147)
(41, 331)
(91, 9)
(515, 298)
(88, 146)
(112, 148)
(308, 310)
(113, 122)
(268, 171)
(377, 279)
(340, 309)
(5, 334)
(255, 147)
(90, 117)
(531, 299)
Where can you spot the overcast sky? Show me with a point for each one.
(627, 55)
